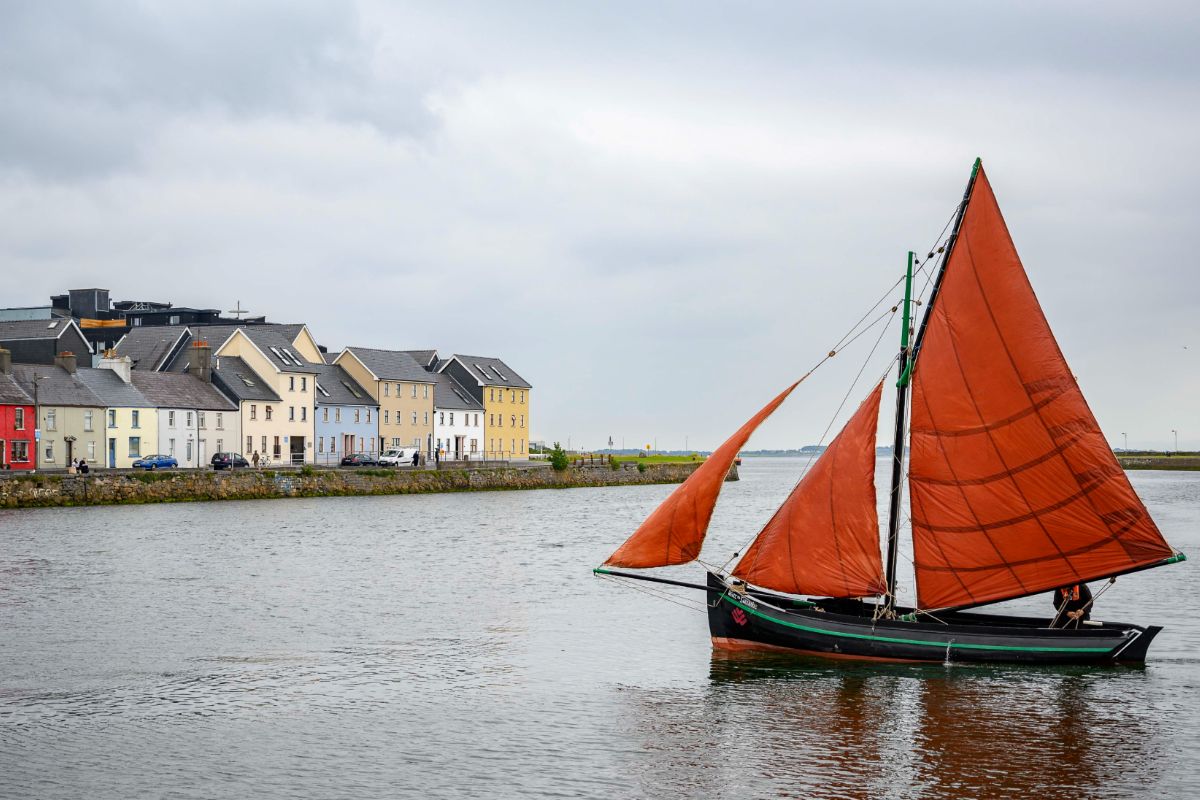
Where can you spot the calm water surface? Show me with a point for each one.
(457, 645)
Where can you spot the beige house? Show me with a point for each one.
(70, 416)
(506, 401)
(403, 390)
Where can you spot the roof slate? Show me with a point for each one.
(112, 391)
(341, 388)
(56, 386)
(147, 346)
(391, 364)
(228, 374)
(179, 390)
(263, 336)
(33, 328)
(485, 366)
(423, 357)
(447, 393)
(11, 392)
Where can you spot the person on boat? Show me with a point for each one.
(1072, 605)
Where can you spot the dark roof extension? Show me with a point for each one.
(391, 365)
(335, 387)
(150, 345)
(491, 371)
(447, 393)
(235, 378)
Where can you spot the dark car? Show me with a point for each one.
(359, 460)
(229, 461)
(156, 462)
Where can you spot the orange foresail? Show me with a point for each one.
(824, 539)
(1014, 488)
(674, 532)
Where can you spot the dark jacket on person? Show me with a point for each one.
(1075, 597)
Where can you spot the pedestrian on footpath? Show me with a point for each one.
(254, 458)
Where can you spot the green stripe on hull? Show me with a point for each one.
(892, 639)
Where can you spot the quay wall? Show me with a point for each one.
(110, 488)
(1183, 463)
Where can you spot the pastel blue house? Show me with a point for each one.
(347, 418)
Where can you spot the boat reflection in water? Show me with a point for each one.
(794, 727)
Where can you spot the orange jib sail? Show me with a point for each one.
(1014, 488)
(674, 532)
(824, 539)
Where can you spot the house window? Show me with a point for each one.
(386, 417)
(491, 393)
(337, 415)
(51, 419)
(512, 418)
(522, 398)
(414, 418)
(268, 409)
(368, 415)
(220, 422)
(499, 420)
(451, 417)
(170, 447)
(112, 418)
(325, 414)
(220, 445)
(200, 419)
(188, 457)
(357, 412)
(360, 444)
(387, 390)
(474, 445)
(333, 444)
(91, 451)
(19, 450)
(135, 447)
(303, 383)
(253, 411)
(514, 446)
(87, 421)
(49, 452)
(291, 413)
(442, 418)
(291, 383)
(304, 413)
(414, 387)
(512, 396)
(426, 393)
(491, 419)
(249, 444)
(522, 420)
(19, 418)
(522, 446)
(426, 417)
(189, 419)
(395, 441)
(137, 322)
(321, 445)
(264, 445)
(278, 450)
(173, 319)
(171, 418)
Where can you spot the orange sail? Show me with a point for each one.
(824, 539)
(675, 531)
(1014, 488)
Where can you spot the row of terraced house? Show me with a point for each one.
(192, 390)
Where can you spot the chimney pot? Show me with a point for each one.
(5, 361)
(200, 360)
(66, 360)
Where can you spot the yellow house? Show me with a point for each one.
(277, 410)
(506, 403)
(403, 390)
(130, 420)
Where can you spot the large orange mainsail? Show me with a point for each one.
(824, 539)
(1014, 488)
(674, 532)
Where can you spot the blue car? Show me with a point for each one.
(156, 462)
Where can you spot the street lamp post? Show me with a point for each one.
(1176, 439)
(1125, 436)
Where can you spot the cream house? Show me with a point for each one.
(70, 418)
(403, 390)
(130, 422)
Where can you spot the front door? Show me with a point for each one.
(297, 449)
(112, 453)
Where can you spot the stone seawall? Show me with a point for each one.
(1182, 463)
(99, 488)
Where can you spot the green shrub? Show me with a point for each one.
(558, 458)
(613, 464)
(641, 466)
(308, 471)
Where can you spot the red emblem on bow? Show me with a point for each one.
(739, 616)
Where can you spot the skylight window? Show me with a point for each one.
(496, 370)
(321, 388)
(351, 389)
(52, 326)
(292, 356)
(245, 380)
(278, 354)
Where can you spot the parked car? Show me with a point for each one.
(229, 461)
(359, 460)
(156, 462)
(397, 457)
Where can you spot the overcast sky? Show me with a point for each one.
(659, 214)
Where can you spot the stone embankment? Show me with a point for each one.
(101, 488)
(1187, 463)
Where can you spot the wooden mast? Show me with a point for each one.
(907, 361)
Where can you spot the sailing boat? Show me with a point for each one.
(1013, 492)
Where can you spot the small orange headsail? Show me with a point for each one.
(675, 531)
(824, 539)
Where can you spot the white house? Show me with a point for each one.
(458, 420)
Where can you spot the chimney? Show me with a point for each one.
(200, 360)
(66, 360)
(5, 362)
(122, 365)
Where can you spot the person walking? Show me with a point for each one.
(254, 459)
(416, 457)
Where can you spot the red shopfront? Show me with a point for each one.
(18, 450)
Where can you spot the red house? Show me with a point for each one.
(17, 447)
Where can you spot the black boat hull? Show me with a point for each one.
(844, 629)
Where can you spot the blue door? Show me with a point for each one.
(112, 453)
